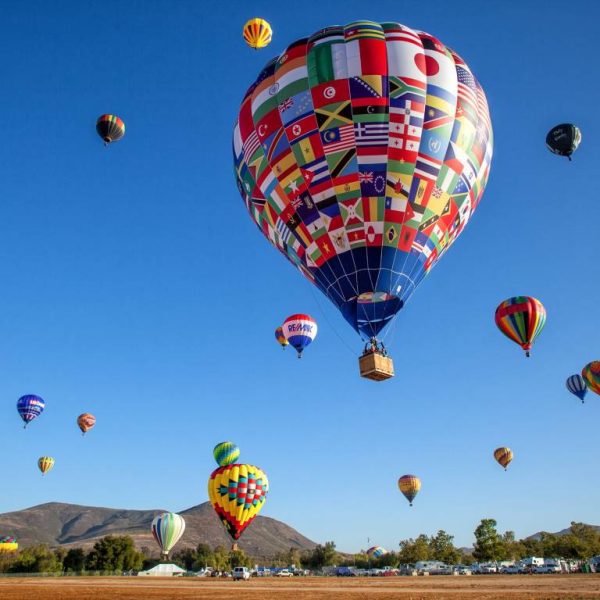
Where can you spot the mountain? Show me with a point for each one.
(538, 535)
(58, 524)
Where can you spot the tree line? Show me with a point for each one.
(115, 554)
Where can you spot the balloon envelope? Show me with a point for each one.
(86, 421)
(361, 152)
(577, 386)
(376, 551)
(280, 337)
(45, 463)
(257, 33)
(237, 493)
(521, 319)
(591, 374)
(167, 529)
(503, 456)
(226, 453)
(410, 486)
(299, 331)
(29, 407)
(563, 139)
(110, 128)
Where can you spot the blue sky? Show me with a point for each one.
(136, 287)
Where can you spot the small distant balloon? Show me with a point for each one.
(45, 463)
(577, 386)
(299, 330)
(376, 552)
(85, 422)
(410, 486)
(226, 453)
(591, 374)
(167, 529)
(257, 33)
(503, 456)
(563, 139)
(29, 407)
(521, 319)
(110, 128)
(281, 338)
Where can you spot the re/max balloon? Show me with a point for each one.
(409, 485)
(237, 493)
(299, 331)
(29, 407)
(361, 152)
(521, 319)
(577, 386)
(167, 529)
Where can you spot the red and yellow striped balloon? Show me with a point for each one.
(85, 422)
(45, 463)
(410, 486)
(521, 319)
(110, 128)
(503, 456)
(257, 33)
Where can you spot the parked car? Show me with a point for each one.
(284, 573)
(486, 569)
(463, 570)
(512, 570)
(547, 569)
(240, 573)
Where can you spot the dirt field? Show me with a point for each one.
(490, 587)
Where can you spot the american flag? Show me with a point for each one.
(466, 86)
(251, 145)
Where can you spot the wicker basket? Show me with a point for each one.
(375, 366)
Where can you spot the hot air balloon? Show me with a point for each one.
(563, 139)
(237, 493)
(591, 374)
(167, 529)
(45, 463)
(361, 152)
(299, 331)
(521, 319)
(257, 33)
(85, 422)
(226, 453)
(503, 456)
(576, 385)
(409, 485)
(29, 407)
(376, 551)
(280, 337)
(8, 544)
(110, 128)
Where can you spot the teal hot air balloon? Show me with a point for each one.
(167, 529)
(226, 453)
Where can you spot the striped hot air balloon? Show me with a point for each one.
(85, 422)
(503, 456)
(29, 407)
(237, 493)
(226, 453)
(257, 33)
(167, 529)
(376, 551)
(521, 319)
(409, 485)
(591, 374)
(299, 330)
(577, 386)
(45, 463)
(8, 543)
(110, 128)
(280, 337)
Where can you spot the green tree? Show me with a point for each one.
(74, 561)
(238, 558)
(324, 556)
(489, 545)
(221, 559)
(204, 557)
(412, 551)
(185, 558)
(115, 553)
(36, 559)
(442, 548)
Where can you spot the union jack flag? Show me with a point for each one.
(366, 177)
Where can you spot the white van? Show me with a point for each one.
(240, 573)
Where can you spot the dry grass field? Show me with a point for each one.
(492, 587)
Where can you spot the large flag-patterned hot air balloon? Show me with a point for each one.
(110, 128)
(503, 456)
(361, 152)
(237, 493)
(257, 33)
(299, 331)
(577, 386)
(85, 422)
(167, 529)
(226, 453)
(29, 407)
(591, 374)
(45, 463)
(409, 485)
(521, 319)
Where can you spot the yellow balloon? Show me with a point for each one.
(257, 33)
(503, 456)
(409, 485)
(45, 463)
